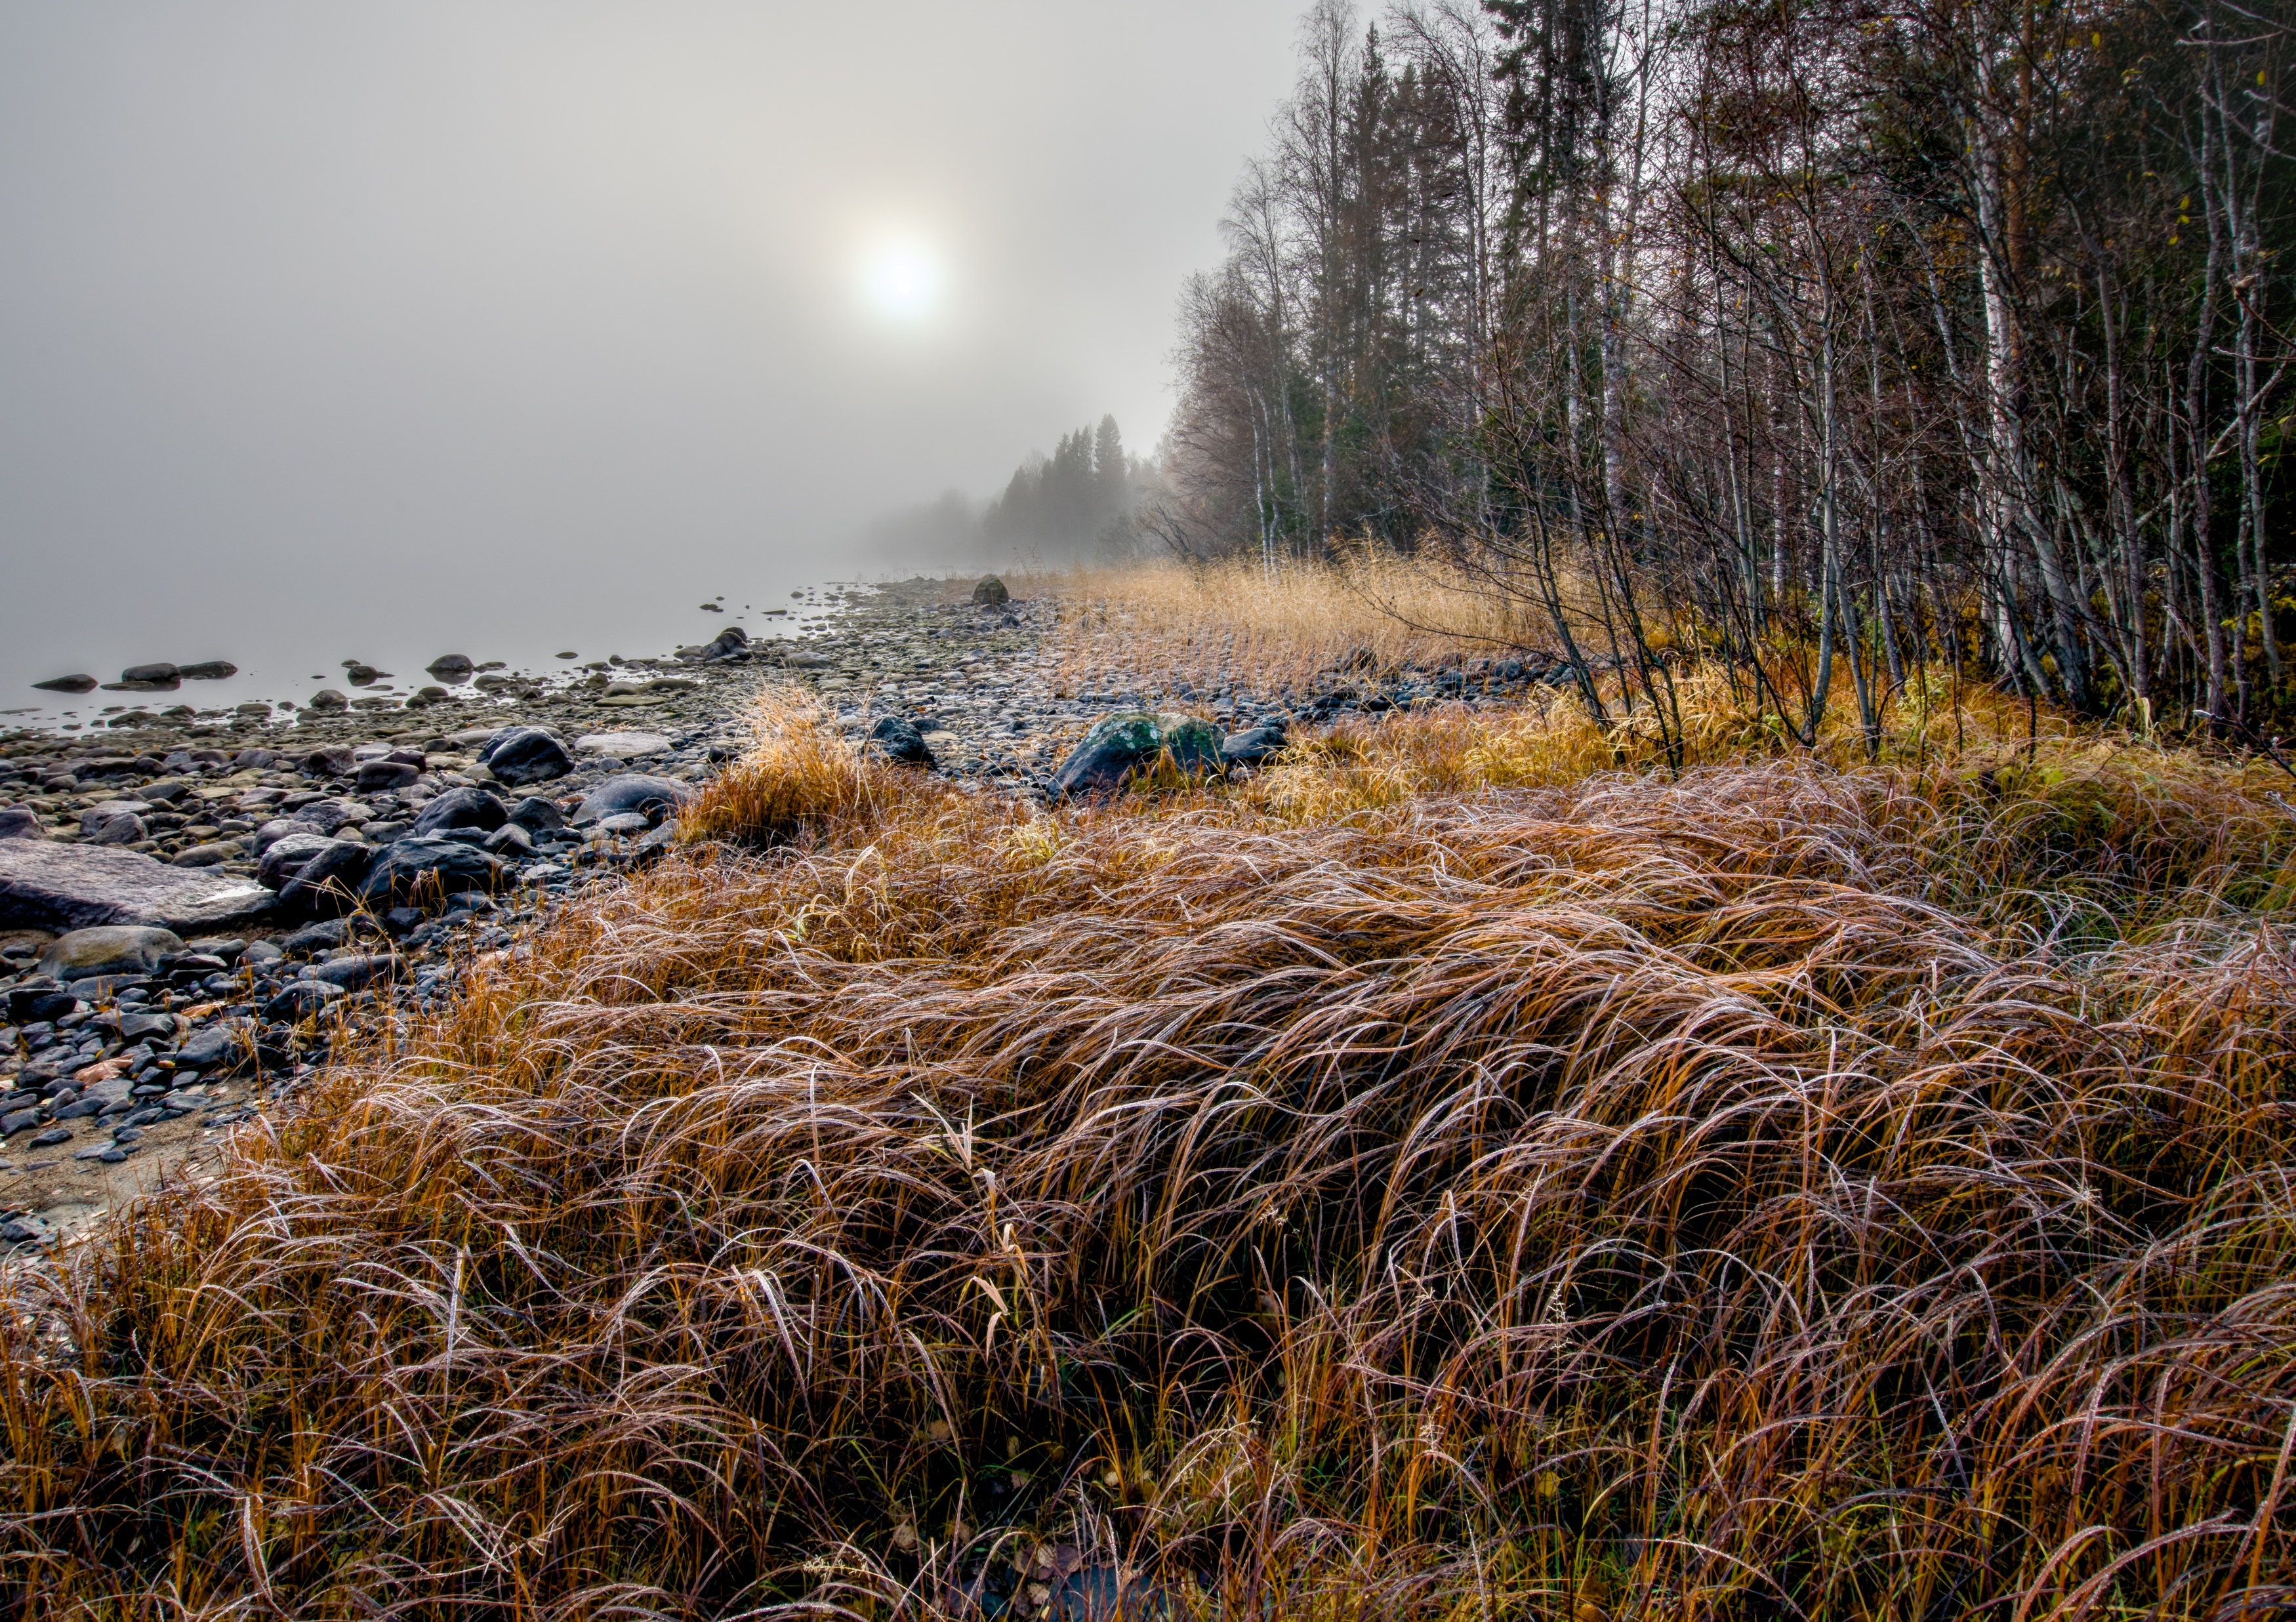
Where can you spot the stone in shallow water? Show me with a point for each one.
(67, 684)
(210, 670)
(47, 884)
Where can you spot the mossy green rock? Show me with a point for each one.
(1122, 747)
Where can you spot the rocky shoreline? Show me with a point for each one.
(192, 915)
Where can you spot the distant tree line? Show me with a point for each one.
(1812, 337)
(1075, 505)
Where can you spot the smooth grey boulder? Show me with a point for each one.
(223, 1045)
(378, 774)
(415, 870)
(147, 1027)
(622, 746)
(48, 884)
(652, 796)
(20, 822)
(520, 755)
(1123, 747)
(469, 806)
(115, 948)
(327, 816)
(283, 857)
(277, 829)
(113, 821)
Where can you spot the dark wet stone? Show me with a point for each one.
(328, 881)
(416, 870)
(897, 739)
(67, 684)
(210, 670)
(223, 1045)
(1252, 745)
(537, 814)
(468, 806)
(143, 1027)
(522, 755)
(375, 775)
(357, 973)
(301, 1000)
(285, 855)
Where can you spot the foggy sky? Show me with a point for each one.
(416, 320)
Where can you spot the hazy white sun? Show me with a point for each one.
(902, 281)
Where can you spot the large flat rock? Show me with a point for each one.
(45, 884)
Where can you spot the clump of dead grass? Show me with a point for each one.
(798, 778)
(1618, 1197)
(1157, 627)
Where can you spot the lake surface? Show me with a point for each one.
(289, 643)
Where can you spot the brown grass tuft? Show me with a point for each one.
(1741, 1196)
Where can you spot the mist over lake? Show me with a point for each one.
(380, 332)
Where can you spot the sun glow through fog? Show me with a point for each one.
(903, 280)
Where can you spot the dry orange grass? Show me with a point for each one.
(1166, 626)
(1611, 1197)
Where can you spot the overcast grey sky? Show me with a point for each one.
(426, 318)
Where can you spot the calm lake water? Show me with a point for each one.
(289, 643)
